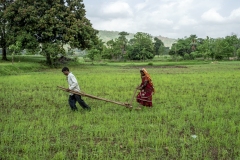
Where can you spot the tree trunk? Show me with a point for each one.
(12, 57)
(48, 58)
(4, 53)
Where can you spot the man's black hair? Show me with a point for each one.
(65, 69)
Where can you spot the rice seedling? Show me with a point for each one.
(195, 114)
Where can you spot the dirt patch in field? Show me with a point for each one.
(155, 67)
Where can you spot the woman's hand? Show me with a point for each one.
(139, 87)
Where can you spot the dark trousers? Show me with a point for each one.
(77, 98)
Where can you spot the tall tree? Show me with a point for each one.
(3, 29)
(96, 50)
(158, 45)
(238, 54)
(203, 47)
(141, 47)
(123, 41)
(110, 48)
(184, 46)
(50, 24)
(222, 49)
(233, 41)
(114, 49)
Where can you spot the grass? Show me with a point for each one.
(36, 63)
(195, 114)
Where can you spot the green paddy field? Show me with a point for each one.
(195, 114)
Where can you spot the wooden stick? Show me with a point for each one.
(133, 97)
(93, 97)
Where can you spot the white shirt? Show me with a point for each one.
(72, 82)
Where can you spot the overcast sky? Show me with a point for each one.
(168, 18)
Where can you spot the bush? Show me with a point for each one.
(238, 53)
(186, 56)
(196, 54)
(150, 64)
(219, 57)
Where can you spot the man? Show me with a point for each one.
(73, 85)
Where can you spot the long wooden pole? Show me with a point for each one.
(133, 97)
(94, 97)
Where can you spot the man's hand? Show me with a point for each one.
(68, 90)
(83, 93)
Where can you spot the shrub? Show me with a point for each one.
(186, 56)
(150, 64)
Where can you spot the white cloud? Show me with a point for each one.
(116, 25)
(185, 5)
(116, 9)
(186, 21)
(173, 18)
(140, 6)
(212, 16)
(235, 14)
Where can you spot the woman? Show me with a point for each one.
(144, 98)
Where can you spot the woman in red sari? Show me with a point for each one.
(144, 97)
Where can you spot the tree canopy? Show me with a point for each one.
(46, 25)
(3, 26)
(219, 48)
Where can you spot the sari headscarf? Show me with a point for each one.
(148, 77)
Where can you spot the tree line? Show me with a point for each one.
(45, 26)
(209, 48)
(141, 47)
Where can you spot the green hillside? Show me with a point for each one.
(167, 41)
(108, 35)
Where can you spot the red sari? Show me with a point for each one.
(144, 97)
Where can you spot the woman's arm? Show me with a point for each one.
(143, 85)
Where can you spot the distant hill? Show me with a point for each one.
(167, 41)
(108, 35)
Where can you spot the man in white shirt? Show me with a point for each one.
(73, 85)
